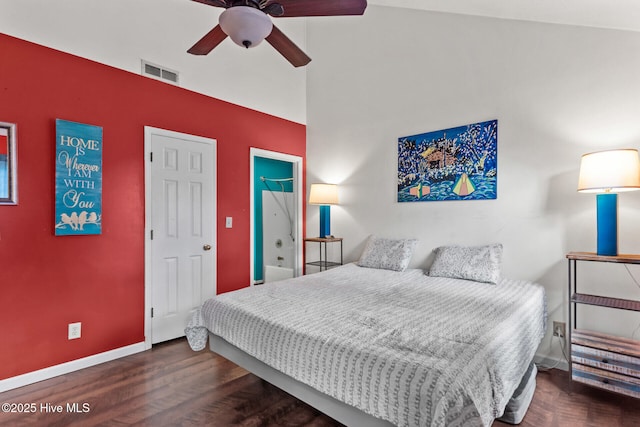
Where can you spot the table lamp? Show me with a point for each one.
(607, 173)
(324, 195)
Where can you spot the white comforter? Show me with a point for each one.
(404, 347)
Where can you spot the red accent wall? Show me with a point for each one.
(47, 282)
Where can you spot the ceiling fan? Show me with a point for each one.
(247, 23)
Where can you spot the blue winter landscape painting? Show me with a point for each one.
(452, 164)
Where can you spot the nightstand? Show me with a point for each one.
(597, 359)
(323, 262)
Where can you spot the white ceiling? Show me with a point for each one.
(615, 14)
(122, 32)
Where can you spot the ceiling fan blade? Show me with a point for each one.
(321, 7)
(217, 3)
(287, 48)
(206, 44)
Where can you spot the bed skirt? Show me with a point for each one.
(521, 399)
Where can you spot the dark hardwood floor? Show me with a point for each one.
(171, 385)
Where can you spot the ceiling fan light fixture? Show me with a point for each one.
(245, 25)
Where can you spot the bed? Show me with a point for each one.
(371, 346)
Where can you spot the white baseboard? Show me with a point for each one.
(65, 368)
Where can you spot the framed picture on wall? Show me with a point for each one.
(458, 163)
(8, 164)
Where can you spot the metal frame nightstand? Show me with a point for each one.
(597, 359)
(323, 262)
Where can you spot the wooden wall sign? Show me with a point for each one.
(78, 179)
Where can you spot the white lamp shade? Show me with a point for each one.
(610, 171)
(245, 25)
(323, 194)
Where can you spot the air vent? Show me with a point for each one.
(158, 72)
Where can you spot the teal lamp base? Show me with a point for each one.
(325, 220)
(607, 218)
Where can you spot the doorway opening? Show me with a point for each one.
(276, 216)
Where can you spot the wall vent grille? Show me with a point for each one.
(159, 72)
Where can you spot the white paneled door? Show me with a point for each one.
(181, 246)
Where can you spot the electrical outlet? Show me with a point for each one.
(75, 330)
(559, 329)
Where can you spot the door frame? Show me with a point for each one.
(148, 132)
(296, 162)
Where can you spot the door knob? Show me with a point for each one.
(207, 247)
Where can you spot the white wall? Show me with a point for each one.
(622, 15)
(122, 32)
(557, 92)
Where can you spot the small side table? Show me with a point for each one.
(323, 262)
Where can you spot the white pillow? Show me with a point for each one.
(479, 263)
(388, 254)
